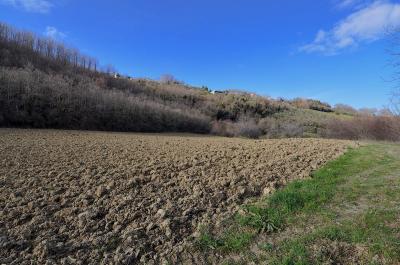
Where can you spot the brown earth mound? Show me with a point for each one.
(71, 197)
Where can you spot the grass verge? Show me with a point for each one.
(348, 212)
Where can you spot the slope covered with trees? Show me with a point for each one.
(45, 84)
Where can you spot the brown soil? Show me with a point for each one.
(69, 197)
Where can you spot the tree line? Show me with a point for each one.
(35, 99)
(45, 84)
(24, 47)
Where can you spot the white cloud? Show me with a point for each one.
(364, 25)
(35, 6)
(353, 4)
(347, 3)
(54, 33)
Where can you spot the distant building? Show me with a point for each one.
(217, 92)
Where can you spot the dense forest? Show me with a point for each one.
(45, 84)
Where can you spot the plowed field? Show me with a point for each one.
(69, 197)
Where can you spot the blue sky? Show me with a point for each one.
(332, 50)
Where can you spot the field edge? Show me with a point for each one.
(271, 220)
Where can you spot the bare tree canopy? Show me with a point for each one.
(395, 102)
(37, 49)
(169, 79)
(394, 51)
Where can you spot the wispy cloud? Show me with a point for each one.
(352, 4)
(54, 33)
(348, 3)
(36, 6)
(365, 25)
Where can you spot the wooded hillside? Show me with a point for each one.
(45, 84)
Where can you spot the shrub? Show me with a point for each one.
(311, 104)
(344, 109)
(275, 128)
(222, 128)
(244, 128)
(365, 127)
(247, 128)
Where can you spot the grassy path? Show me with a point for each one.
(348, 213)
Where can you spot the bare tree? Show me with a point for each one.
(394, 51)
(395, 102)
(110, 69)
(168, 79)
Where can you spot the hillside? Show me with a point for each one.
(44, 84)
